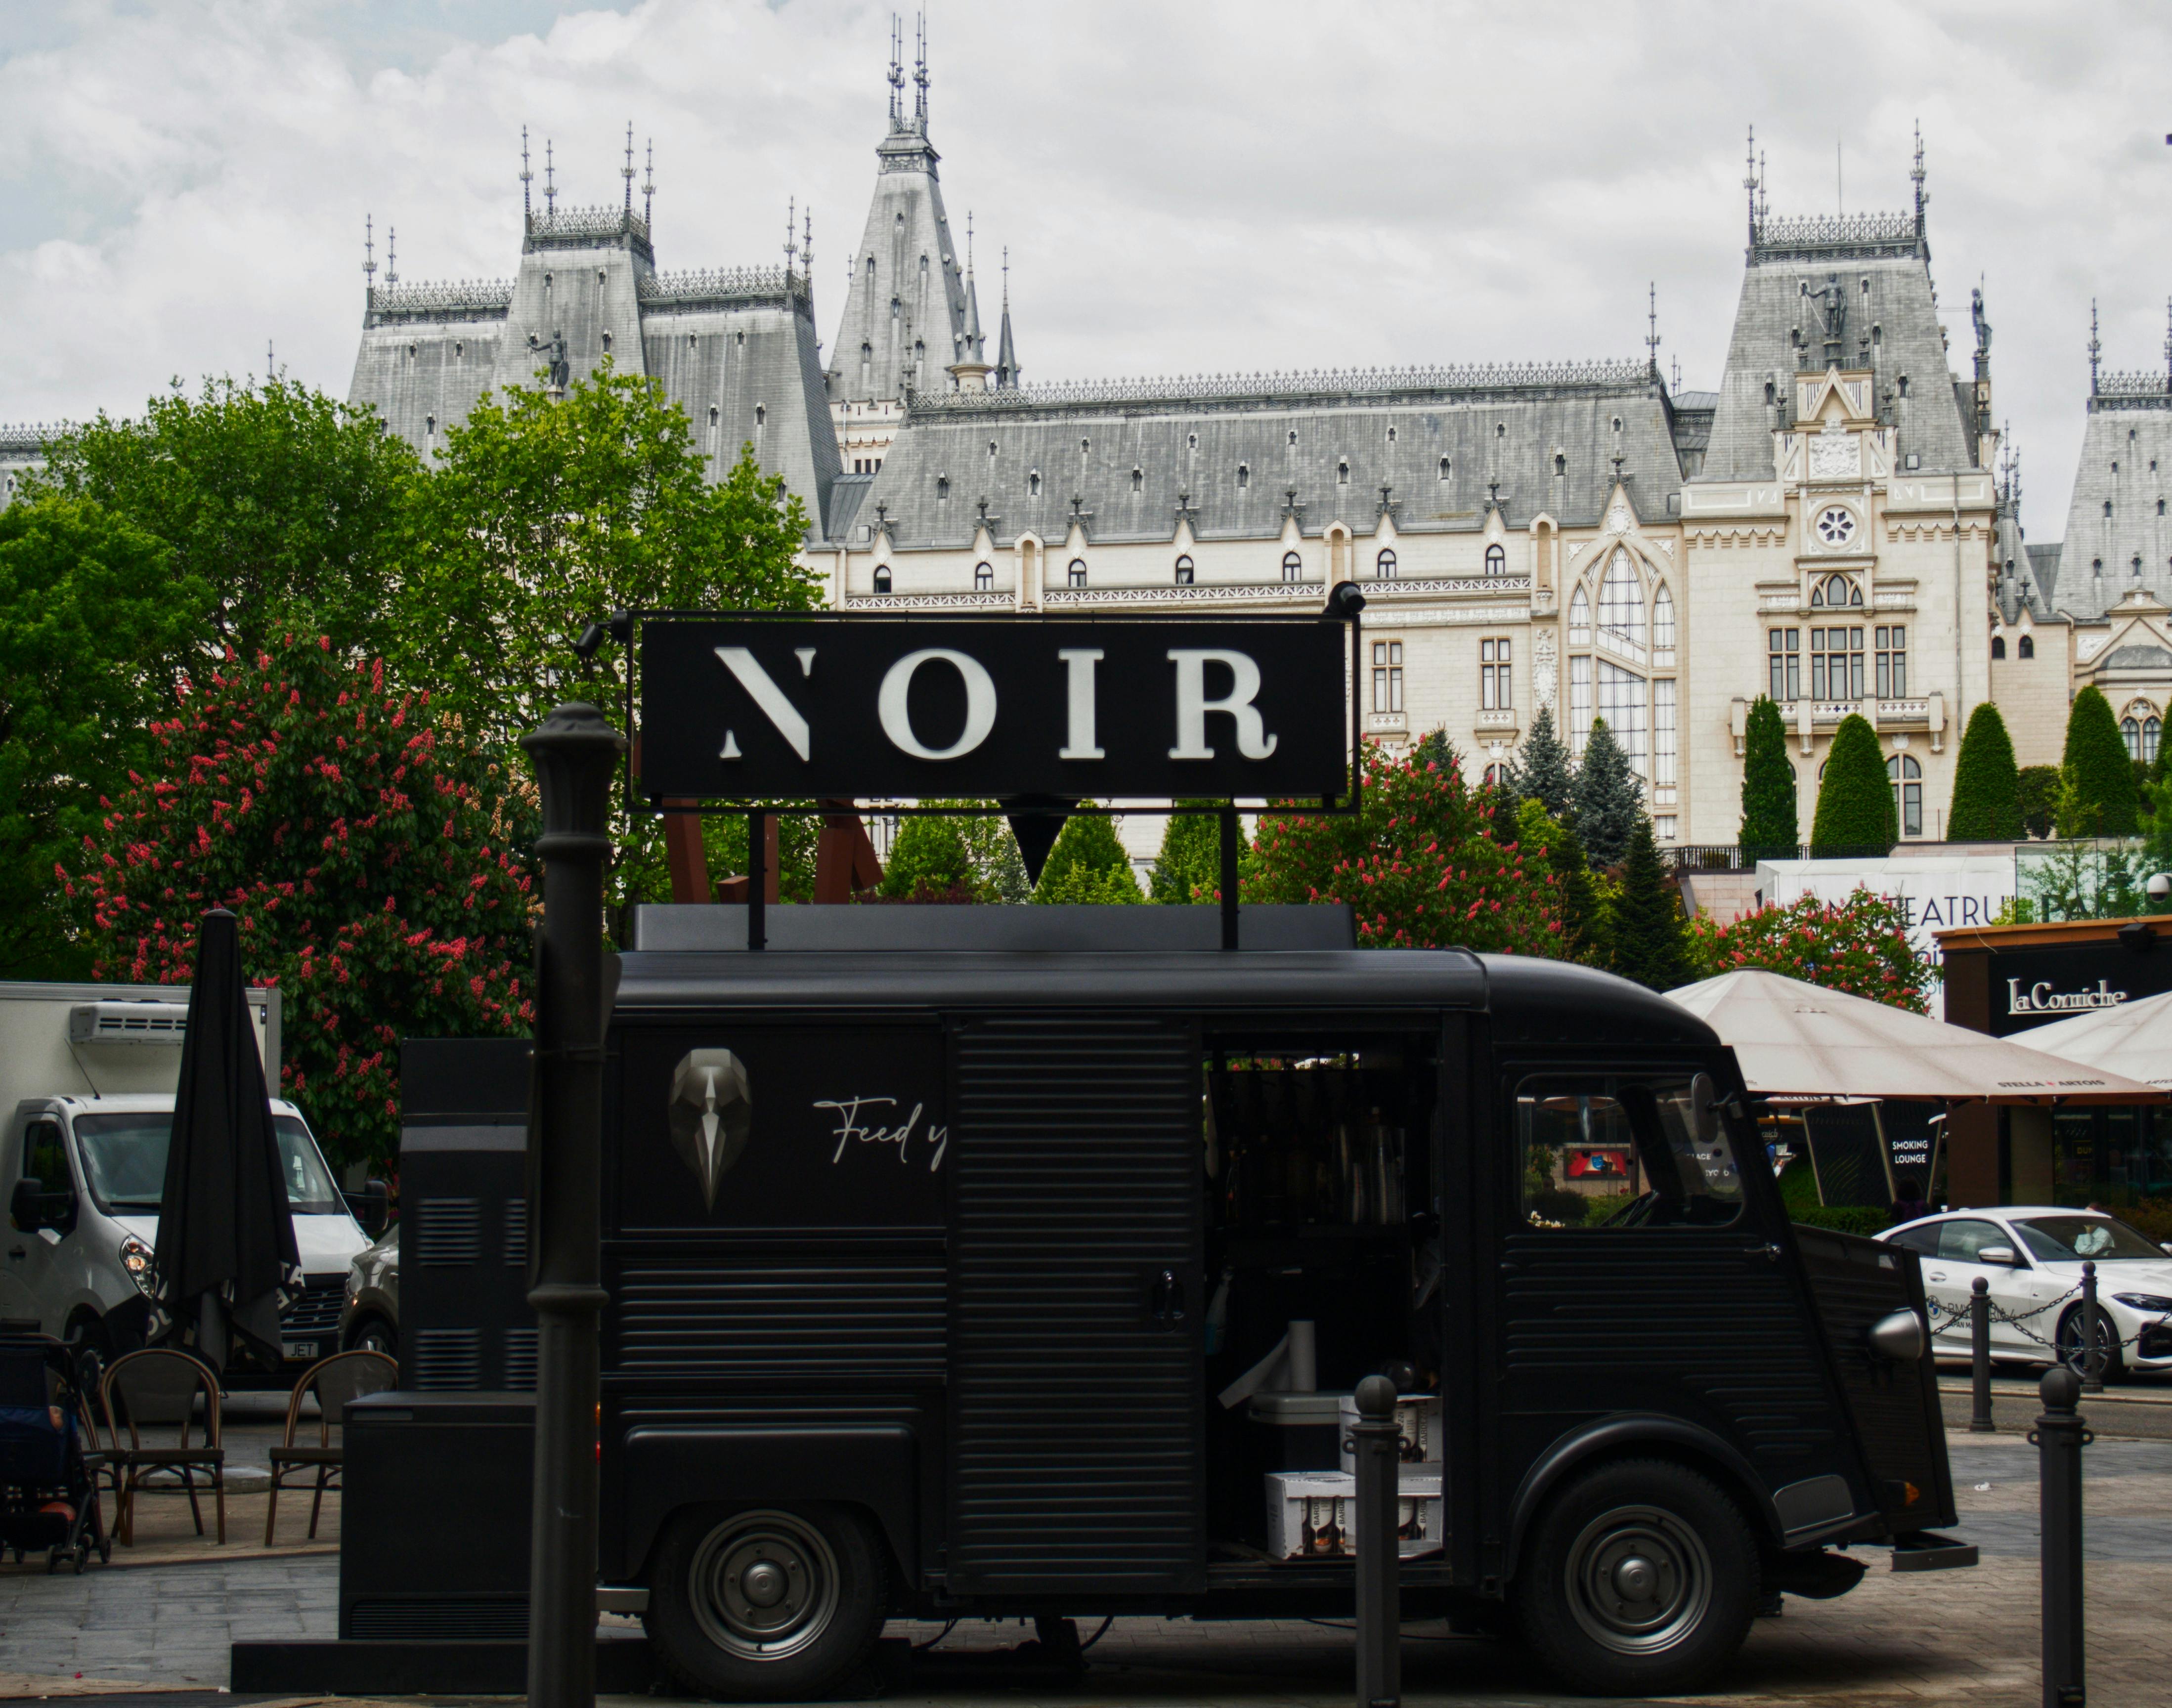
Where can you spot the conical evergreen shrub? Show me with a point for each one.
(1648, 938)
(1190, 856)
(1987, 785)
(2100, 798)
(1608, 797)
(1545, 773)
(1855, 797)
(1088, 863)
(1769, 826)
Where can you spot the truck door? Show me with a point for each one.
(1075, 1458)
(31, 1291)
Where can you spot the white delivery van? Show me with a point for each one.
(88, 1074)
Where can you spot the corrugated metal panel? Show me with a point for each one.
(441, 1358)
(796, 1313)
(1076, 1421)
(448, 1230)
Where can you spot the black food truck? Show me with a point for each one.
(1013, 1281)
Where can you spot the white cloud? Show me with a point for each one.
(1206, 186)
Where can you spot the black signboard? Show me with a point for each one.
(2034, 986)
(820, 707)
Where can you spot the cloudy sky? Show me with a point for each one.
(1183, 184)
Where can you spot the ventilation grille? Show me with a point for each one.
(520, 1359)
(444, 1358)
(516, 1232)
(1076, 1447)
(447, 1617)
(448, 1231)
(315, 1310)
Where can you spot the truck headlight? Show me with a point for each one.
(2144, 1301)
(142, 1264)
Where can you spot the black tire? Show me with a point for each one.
(2070, 1344)
(1639, 1578)
(374, 1335)
(813, 1619)
(91, 1353)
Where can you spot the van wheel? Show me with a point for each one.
(765, 1605)
(1639, 1578)
(374, 1335)
(87, 1342)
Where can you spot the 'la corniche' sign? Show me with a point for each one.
(2042, 996)
(831, 706)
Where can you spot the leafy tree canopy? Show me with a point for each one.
(100, 625)
(2099, 798)
(1609, 798)
(1860, 946)
(282, 507)
(1987, 787)
(1855, 797)
(1770, 825)
(2037, 792)
(1575, 894)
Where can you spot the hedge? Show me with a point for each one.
(1843, 1218)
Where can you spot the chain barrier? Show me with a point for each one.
(1944, 1316)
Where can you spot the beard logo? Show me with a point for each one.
(712, 1115)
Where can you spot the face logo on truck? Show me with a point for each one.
(712, 1115)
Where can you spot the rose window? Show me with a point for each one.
(1836, 526)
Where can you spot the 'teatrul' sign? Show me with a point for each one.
(835, 706)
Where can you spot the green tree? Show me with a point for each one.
(1855, 795)
(1576, 896)
(544, 515)
(1770, 828)
(282, 505)
(100, 626)
(2100, 796)
(2037, 795)
(928, 861)
(1608, 798)
(377, 860)
(1545, 773)
(1860, 946)
(1987, 787)
(1088, 863)
(1648, 939)
(1191, 857)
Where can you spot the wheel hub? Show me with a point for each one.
(1639, 1580)
(764, 1585)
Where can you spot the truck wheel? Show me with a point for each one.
(1639, 1578)
(766, 1604)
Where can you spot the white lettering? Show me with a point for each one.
(851, 1129)
(2041, 998)
(891, 704)
(767, 695)
(1192, 704)
(1081, 744)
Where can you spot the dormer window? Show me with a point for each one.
(1138, 479)
(1076, 574)
(2107, 509)
(761, 415)
(1292, 567)
(1085, 445)
(1443, 468)
(941, 487)
(1384, 567)
(1560, 464)
(712, 415)
(1904, 385)
(1191, 442)
(1342, 473)
(1243, 476)
(1184, 571)
(882, 578)
(1391, 436)
(1999, 646)
(984, 577)
(2027, 648)
(607, 343)
(1497, 559)
(1033, 484)
(1293, 437)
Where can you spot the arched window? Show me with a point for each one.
(984, 577)
(1621, 601)
(1999, 646)
(1663, 617)
(2028, 647)
(1184, 575)
(2152, 730)
(1243, 476)
(1077, 572)
(1836, 590)
(1443, 468)
(1496, 776)
(1383, 565)
(1496, 559)
(1907, 785)
(1579, 617)
(2131, 729)
(1292, 567)
(882, 578)
(1033, 484)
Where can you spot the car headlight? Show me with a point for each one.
(142, 1264)
(2144, 1301)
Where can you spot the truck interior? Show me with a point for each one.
(1322, 1256)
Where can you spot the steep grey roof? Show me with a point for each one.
(2045, 562)
(1130, 453)
(2117, 520)
(2021, 579)
(846, 492)
(905, 314)
(1882, 263)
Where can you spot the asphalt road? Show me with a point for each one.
(2139, 1408)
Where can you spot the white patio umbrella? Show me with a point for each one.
(1799, 1042)
(2134, 1038)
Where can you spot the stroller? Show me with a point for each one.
(48, 1494)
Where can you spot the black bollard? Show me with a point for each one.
(2059, 1437)
(575, 754)
(1979, 1421)
(2093, 1360)
(1379, 1446)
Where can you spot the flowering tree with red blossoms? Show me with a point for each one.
(1860, 946)
(378, 864)
(1424, 864)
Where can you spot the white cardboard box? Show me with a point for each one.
(1311, 1514)
(1417, 1419)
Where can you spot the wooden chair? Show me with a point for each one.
(156, 1389)
(336, 1380)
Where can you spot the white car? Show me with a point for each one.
(2030, 1256)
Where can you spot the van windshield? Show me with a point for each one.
(124, 1159)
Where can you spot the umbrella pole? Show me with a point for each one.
(575, 755)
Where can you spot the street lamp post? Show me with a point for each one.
(575, 754)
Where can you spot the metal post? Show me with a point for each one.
(575, 754)
(2059, 1437)
(1231, 828)
(1979, 1422)
(1379, 1449)
(757, 880)
(2092, 1357)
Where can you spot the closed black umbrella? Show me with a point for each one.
(226, 1237)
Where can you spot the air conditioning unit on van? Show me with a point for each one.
(129, 1023)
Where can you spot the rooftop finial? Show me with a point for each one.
(807, 247)
(648, 190)
(1651, 326)
(2096, 348)
(391, 257)
(271, 362)
(1007, 277)
(549, 182)
(626, 170)
(920, 76)
(1750, 182)
(1676, 362)
(791, 233)
(527, 177)
(1764, 202)
(2167, 343)
(368, 255)
(1922, 196)
(896, 72)
(969, 257)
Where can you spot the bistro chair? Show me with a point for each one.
(335, 1380)
(157, 1389)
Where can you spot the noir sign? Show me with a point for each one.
(852, 707)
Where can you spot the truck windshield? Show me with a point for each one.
(124, 1159)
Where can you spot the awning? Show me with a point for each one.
(2134, 1038)
(1802, 1043)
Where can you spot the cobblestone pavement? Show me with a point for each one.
(1933, 1638)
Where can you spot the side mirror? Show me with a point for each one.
(2001, 1254)
(371, 1206)
(1898, 1337)
(26, 1206)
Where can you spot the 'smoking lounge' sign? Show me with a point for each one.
(831, 706)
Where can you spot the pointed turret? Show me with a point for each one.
(1007, 366)
(969, 371)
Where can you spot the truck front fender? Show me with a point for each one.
(870, 1466)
